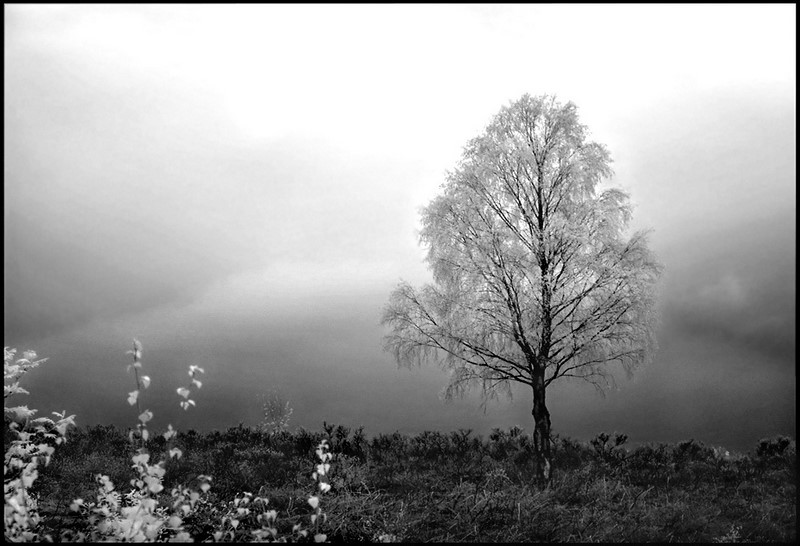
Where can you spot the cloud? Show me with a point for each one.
(738, 288)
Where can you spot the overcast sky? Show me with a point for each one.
(239, 188)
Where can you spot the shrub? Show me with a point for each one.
(29, 441)
(276, 414)
(147, 512)
(778, 447)
(568, 454)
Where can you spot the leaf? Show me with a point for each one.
(182, 391)
(145, 381)
(197, 383)
(324, 487)
(105, 482)
(313, 501)
(153, 484)
(170, 432)
(149, 504)
(40, 424)
(29, 477)
(141, 458)
(20, 413)
(8, 390)
(146, 416)
(132, 397)
(175, 452)
(195, 369)
(321, 537)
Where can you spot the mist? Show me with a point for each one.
(247, 202)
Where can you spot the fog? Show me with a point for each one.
(239, 188)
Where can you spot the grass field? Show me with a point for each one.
(453, 487)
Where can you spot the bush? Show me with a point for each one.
(147, 512)
(776, 448)
(29, 441)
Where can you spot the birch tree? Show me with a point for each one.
(536, 276)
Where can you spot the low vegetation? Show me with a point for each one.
(429, 487)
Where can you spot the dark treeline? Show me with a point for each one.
(457, 487)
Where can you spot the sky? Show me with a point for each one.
(239, 188)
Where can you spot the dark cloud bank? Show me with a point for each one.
(724, 374)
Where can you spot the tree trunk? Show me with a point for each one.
(541, 417)
(541, 432)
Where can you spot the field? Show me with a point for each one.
(101, 483)
(454, 487)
